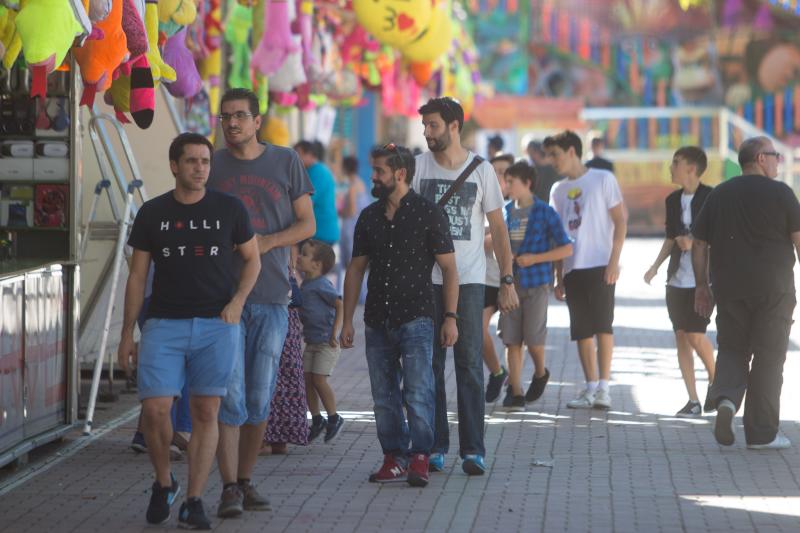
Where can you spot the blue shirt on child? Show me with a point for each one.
(544, 232)
(319, 309)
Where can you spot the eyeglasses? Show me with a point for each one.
(778, 155)
(239, 115)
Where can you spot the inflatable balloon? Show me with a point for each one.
(394, 22)
(434, 40)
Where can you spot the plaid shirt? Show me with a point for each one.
(543, 232)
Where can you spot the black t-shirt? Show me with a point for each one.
(748, 222)
(192, 248)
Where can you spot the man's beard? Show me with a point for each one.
(381, 191)
(439, 144)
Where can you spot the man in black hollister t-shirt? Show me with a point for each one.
(192, 331)
(750, 227)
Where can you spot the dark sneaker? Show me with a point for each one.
(509, 398)
(161, 499)
(231, 502)
(418, 470)
(692, 409)
(390, 472)
(495, 385)
(436, 462)
(473, 464)
(724, 430)
(192, 515)
(317, 427)
(537, 387)
(252, 500)
(517, 403)
(333, 428)
(138, 444)
(709, 406)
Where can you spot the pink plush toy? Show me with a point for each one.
(133, 26)
(277, 42)
(179, 57)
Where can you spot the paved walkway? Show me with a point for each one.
(634, 468)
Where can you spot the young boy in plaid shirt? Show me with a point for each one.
(537, 239)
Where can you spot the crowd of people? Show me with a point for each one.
(245, 324)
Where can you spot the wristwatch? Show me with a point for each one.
(507, 280)
(450, 314)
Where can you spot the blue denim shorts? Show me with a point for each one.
(196, 351)
(252, 381)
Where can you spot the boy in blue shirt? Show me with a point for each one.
(321, 316)
(537, 239)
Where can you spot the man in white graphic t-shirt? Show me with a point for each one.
(477, 197)
(589, 203)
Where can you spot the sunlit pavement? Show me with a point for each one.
(633, 468)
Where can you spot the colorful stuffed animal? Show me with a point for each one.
(277, 42)
(134, 93)
(179, 57)
(99, 10)
(12, 44)
(237, 32)
(394, 22)
(45, 50)
(175, 14)
(99, 59)
(161, 71)
(302, 25)
(434, 40)
(135, 32)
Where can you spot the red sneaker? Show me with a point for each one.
(390, 472)
(418, 470)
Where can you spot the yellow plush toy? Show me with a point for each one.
(393, 22)
(9, 38)
(45, 50)
(160, 69)
(434, 40)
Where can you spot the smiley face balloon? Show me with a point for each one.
(435, 39)
(394, 22)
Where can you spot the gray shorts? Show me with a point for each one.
(528, 322)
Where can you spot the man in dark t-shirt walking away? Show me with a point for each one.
(750, 228)
(191, 331)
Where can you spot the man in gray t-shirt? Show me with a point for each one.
(275, 189)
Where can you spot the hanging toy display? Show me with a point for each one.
(394, 22)
(277, 41)
(161, 71)
(179, 57)
(238, 26)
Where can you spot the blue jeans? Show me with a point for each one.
(252, 382)
(468, 357)
(395, 355)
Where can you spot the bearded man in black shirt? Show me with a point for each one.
(399, 238)
(750, 229)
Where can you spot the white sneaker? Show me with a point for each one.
(584, 401)
(724, 431)
(602, 399)
(780, 443)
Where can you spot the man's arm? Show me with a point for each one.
(559, 292)
(232, 312)
(337, 323)
(352, 289)
(666, 249)
(703, 299)
(556, 254)
(507, 299)
(796, 242)
(447, 263)
(303, 227)
(134, 298)
(620, 230)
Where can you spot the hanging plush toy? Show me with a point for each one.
(99, 59)
(99, 10)
(160, 69)
(175, 14)
(135, 33)
(237, 33)
(277, 42)
(45, 50)
(12, 44)
(179, 57)
(134, 93)
(434, 40)
(210, 67)
(394, 22)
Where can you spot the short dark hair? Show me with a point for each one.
(694, 156)
(176, 148)
(536, 146)
(503, 157)
(242, 94)
(397, 157)
(598, 141)
(307, 147)
(319, 149)
(749, 150)
(524, 172)
(449, 109)
(564, 140)
(350, 164)
(323, 253)
(496, 142)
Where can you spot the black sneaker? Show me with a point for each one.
(333, 427)
(161, 499)
(509, 398)
(690, 410)
(138, 444)
(517, 403)
(495, 385)
(709, 406)
(192, 515)
(316, 428)
(537, 386)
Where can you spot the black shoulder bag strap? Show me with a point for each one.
(477, 160)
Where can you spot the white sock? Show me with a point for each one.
(603, 384)
(591, 386)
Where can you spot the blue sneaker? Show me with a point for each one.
(436, 462)
(161, 500)
(473, 465)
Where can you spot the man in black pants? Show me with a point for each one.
(748, 227)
